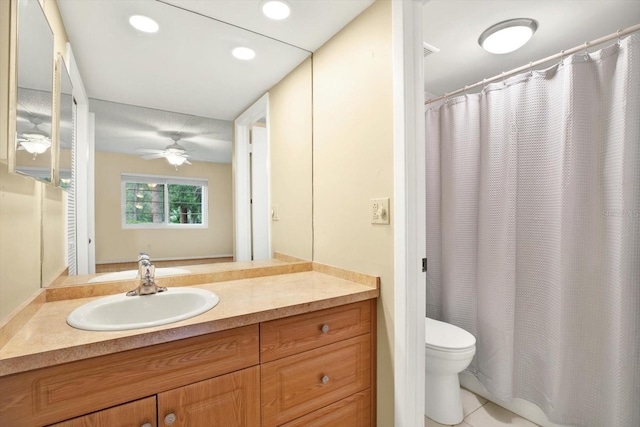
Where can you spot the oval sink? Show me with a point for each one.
(121, 313)
(132, 274)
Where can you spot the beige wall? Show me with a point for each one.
(113, 243)
(24, 223)
(19, 239)
(353, 162)
(53, 235)
(290, 155)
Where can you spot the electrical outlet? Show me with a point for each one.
(379, 211)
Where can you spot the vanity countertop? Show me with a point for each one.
(47, 340)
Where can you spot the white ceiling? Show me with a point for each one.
(455, 25)
(187, 66)
(122, 125)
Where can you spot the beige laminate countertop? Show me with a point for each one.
(47, 340)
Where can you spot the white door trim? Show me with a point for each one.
(409, 205)
(242, 176)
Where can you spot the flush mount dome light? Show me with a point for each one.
(507, 36)
(144, 24)
(243, 53)
(276, 9)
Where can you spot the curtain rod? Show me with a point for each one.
(531, 65)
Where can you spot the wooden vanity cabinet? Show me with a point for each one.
(314, 370)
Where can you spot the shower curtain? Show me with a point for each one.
(533, 234)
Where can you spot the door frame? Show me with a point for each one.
(242, 176)
(409, 205)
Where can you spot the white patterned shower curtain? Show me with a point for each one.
(533, 234)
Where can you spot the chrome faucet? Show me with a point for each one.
(146, 274)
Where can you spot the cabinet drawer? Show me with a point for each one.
(353, 411)
(302, 383)
(132, 414)
(284, 337)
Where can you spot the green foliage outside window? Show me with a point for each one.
(145, 203)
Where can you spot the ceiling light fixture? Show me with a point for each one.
(175, 159)
(276, 9)
(144, 24)
(507, 36)
(243, 53)
(35, 140)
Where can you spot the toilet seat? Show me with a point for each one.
(445, 337)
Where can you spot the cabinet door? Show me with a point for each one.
(231, 400)
(141, 413)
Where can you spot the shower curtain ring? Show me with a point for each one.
(531, 68)
(586, 52)
(561, 56)
(618, 33)
(503, 75)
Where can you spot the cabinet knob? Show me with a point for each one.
(146, 425)
(170, 419)
(325, 379)
(325, 329)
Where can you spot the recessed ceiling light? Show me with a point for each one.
(144, 24)
(507, 36)
(243, 53)
(276, 9)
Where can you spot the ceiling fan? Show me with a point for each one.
(175, 153)
(35, 140)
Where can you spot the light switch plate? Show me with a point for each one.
(379, 209)
(274, 213)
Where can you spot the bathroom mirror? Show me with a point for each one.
(145, 89)
(31, 93)
(65, 123)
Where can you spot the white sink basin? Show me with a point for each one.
(131, 274)
(121, 313)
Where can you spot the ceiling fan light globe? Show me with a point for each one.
(36, 146)
(175, 159)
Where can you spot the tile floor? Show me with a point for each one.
(478, 412)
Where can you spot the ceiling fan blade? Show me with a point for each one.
(153, 156)
(149, 150)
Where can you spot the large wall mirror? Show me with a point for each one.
(164, 104)
(66, 126)
(31, 92)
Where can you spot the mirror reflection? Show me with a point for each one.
(164, 105)
(32, 148)
(66, 127)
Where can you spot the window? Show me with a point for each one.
(163, 202)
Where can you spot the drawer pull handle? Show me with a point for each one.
(170, 419)
(325, 379)
(146, 425)
(325, 329)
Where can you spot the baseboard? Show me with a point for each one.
(118, 261)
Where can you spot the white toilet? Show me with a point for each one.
(448, 351)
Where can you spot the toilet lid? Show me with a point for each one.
(446, 336)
